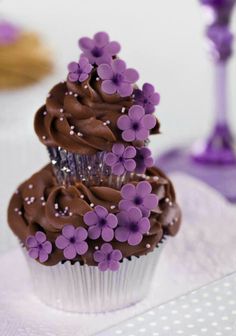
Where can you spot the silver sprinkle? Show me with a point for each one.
(170, 203)
(89, 167)
(72, 127)
(97, 79)
(19, 213)
(148, 246)
(70, 213)
(61, 118)
(16, 209)
(82, 196)
(54, 162)
(96, 248)
(70, 93)
(43, 203)
(76, 95)
(167, 200)
(44, 137)
(79, 134)
(45, 113)
(56, 214)
(61, 110)
(56, 206)
(92, 205)
(86, 86)
(112, 207)
(42, 198)
(30, 186)
(123, 110)
(72, 132)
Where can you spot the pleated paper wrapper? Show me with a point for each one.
(85, 289)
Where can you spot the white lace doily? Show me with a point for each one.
(204, 250)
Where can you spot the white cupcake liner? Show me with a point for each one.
(85, 289)
(89, 169)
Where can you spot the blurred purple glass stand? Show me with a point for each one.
(214, 159)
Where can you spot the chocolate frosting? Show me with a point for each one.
(41, 205)
(86, 108)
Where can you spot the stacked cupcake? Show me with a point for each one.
(93, 222)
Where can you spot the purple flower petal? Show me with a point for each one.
(113, 48)
(73, 66)
(149, 121)
(106, 248)
(148, 89)
(31, 241)
(118, 66)
(82, 77)
(129, 165)
(144, 225)
(86, 43)
(101, 211)
(70, 252)
(129, 152)
(142, 134)
(135, 214)
(34, 252)
(129, 135)
(62, 242)
(68, 231)
(111, 159)
(118, 149)
(124, 122)
(125, 204)
(155, 99)
(81, 248)
(40, 237)
(107, 234)
(47, 247)
(150, 201)
(103, 266)
(90, 218)
(136, 112)
(80, 234)
(43, 256)
(122, 234)
(108, 86)
(113, 265)
(116, 255)
(94, 232)
(112, 221)
(131, 75)
(135, 238)
(101, 39)
(98, 256)
(143, 188)
(118, 169)
(125, 89)
(128, 191)
(105, 71)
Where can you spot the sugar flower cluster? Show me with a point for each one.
(128, 225)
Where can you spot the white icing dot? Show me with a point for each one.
(72, 132)
(44, 137)
(148, 246)
(61, 110)
(30, 186)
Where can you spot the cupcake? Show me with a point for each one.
(93, 222)
(97, 123)
(23, 58)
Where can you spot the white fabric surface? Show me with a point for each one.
(204, 250)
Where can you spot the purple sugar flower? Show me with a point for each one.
(79, 71)
(39, 246)
(99, 50)
(147, 97)
(139, 196)
(72, 241)
(107, 258)
(116, 78)
(143, 160)
(131, 226)
(136, 124)
(121, 159)
(8, 33)
(101, 223)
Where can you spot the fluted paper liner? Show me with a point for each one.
(85, 289)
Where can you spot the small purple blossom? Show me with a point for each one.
(99, 50)
(121, 159)
(72, 241)
(8, 33)
(143, 160)
(139, 196)
(136, 124)
(116, 78)
(39, 246)
(107, 258)
(147, 97)
(222, 40)
(101, 223)
(79, 71)
(131, 226)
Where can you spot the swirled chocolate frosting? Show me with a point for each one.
(40, 204)
(81, 118)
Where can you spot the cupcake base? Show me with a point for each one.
(85, 289)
